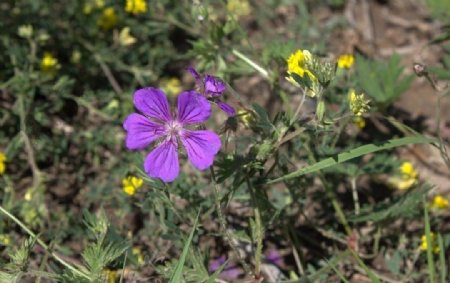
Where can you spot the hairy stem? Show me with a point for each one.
(223, 224)
(259, 230)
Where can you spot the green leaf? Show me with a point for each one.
(403, 206)
(382, 81)
(354, 153)
(176, 276)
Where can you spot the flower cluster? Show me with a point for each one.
(2, 163)
(309, 71)
(408, 177)
(345, 61)
(358, 103)
(158, 124)
(439, 202)
(433, 240)
(298, 64)
(136, 7)
(130, 184)
(212, 88)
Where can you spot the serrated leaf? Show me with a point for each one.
(354, 153)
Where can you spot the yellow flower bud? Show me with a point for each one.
(358, 103)
(345, 61)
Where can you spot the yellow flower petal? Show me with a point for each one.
(345, 61)
(440, 202)
(136, 7)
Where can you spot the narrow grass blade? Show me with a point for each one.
(443, 265)
(430, 259)
(176, 276)
(354, 153)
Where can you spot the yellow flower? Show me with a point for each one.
(439, 202)
(28, 195)
(110, 275)
(238, 7)
(49, 64)
(297, 63)
(408, 171)
(136, 251)
(108, 19)
(407, 179)
(358, 103)
(5, 239)
(125, 38)
(359, 122)
(2, 163)
(136, 7)
(433, 240)
(171, 86)
(25, 31)
(345, 61)
(131, 184)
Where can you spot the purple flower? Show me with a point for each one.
(229, 273)
(158, 124)
(273, 256)
(212, 88)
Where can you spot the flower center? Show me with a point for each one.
(173, 128)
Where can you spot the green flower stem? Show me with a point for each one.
(330, 193)
(297, 111)
(33, 235)
(259, 230)
(355, 195)
(249, 61)
(223, 225)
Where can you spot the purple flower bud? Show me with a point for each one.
(213, 86)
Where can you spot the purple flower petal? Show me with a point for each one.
(193, 108)
(215, 264)
(231, 273)
(227, 108)
(195, 74)
(153, 103)
(162, 162)
(201, 147)
(274, 256)
(141, 131)
(213, 86)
